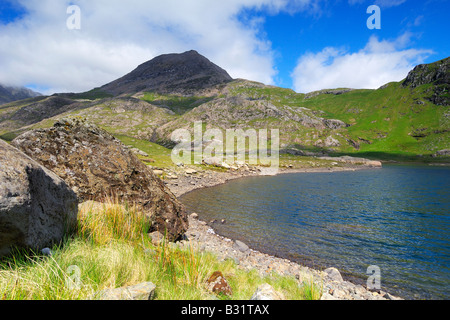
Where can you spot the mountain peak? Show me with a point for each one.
(171, 73)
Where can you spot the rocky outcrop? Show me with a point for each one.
(335, 92)
(438, 74)
(37, 208)
(239, 111)
(335, 124)
(442, 153)
(98, 166)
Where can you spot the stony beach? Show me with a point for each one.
(201, 235)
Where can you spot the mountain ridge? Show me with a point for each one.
(399, 117)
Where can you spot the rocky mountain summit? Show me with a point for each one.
(171, 73)
(97, 166)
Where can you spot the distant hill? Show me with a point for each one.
(9, 93)
(400, 120)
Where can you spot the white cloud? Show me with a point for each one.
(378, 63)
(389, 3)
(116, 36)
(381, 3)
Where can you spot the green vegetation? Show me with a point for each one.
(93, 94)
(159, 154)
(303, 162)
(391, 120)
(111, 249)
(9, 136)
(178, 104)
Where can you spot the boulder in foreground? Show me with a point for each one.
(37, 208)
(98, 166)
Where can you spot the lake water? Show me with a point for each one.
(397, 218)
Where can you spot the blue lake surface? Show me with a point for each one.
(397, 218)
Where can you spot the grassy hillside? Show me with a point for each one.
(391, 120)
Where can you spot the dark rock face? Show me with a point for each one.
(41, 110)
(9, 94)
(37, 208)
(96, 165)
(437, 73)
(171, 73)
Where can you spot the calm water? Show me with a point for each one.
(397, 218)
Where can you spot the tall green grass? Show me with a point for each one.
(111, 249)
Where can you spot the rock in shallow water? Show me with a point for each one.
(333, 274)
(239, 245)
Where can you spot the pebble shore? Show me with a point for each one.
(202, 236)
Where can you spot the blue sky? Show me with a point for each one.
(305, 45)
(344, 25)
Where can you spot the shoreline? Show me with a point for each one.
(203, 236)
(190, 182)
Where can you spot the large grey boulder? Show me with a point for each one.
(97, 166)
(37, 208)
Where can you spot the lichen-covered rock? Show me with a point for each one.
(217, 284)
(37, 208)
(98, 166)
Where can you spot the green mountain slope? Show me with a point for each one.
(392, 119)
